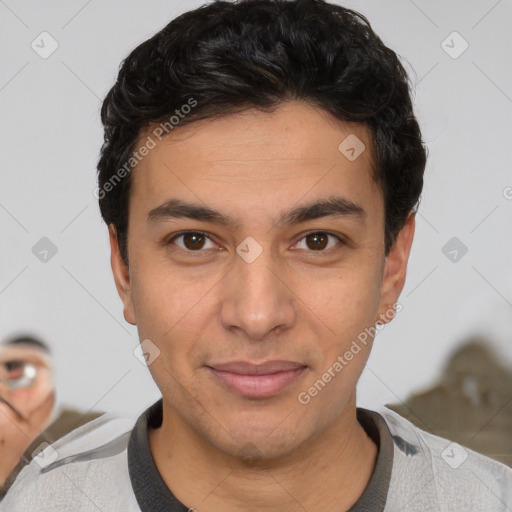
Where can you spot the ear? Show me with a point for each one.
(121, 276)
(395, 269)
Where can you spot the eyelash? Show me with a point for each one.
(206, 235)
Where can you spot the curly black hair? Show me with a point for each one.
(226, 57)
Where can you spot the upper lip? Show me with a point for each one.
(266, 368)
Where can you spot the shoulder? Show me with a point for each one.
(431, 471)
(87, 467)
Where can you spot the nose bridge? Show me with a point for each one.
(255, 299)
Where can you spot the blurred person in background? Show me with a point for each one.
(29, 416)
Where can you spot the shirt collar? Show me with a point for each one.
(153, 495)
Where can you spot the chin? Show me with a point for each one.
(259, 443)
(259, 452)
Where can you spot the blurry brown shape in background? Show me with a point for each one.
(471, 404)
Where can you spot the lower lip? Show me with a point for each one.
(257, 386)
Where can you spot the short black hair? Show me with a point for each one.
(226, 57)
(27, 340)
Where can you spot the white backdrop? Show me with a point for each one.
(50, 135)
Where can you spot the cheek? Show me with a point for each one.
(347, 305)
(161, 299)
(22, 399)
(171, 312)
(25, 400)
(344, 299)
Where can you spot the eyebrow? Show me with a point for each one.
(334, 206)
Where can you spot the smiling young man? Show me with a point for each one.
(261, 168)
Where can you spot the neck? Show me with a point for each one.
(328, 473)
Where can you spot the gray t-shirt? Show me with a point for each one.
(107, 465)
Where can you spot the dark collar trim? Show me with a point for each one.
(148, 486)
(375, 494)
(153, 495)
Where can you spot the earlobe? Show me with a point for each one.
(121, 276)
(395, 269)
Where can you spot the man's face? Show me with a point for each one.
(26, 394)
(264, 287)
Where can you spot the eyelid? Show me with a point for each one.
(339, 237)
(196, 232)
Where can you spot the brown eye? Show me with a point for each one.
(192, 241)
(318, 241)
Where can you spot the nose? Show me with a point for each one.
(256, 299)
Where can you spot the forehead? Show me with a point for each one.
(255, 159)
(22, 352)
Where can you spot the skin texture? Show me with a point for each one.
(24, 413)
(294, 302)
